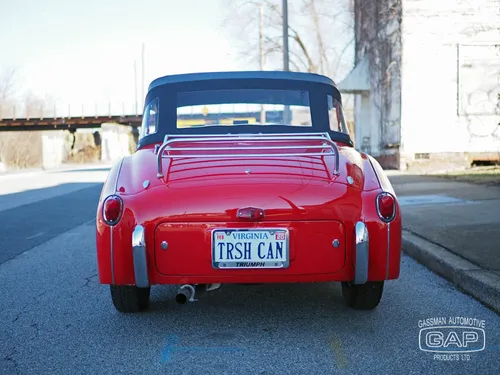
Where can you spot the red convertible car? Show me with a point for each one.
(246, 177)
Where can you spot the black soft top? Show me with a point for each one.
(166, 90)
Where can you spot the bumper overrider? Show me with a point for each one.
(140, 257)
(362, 253)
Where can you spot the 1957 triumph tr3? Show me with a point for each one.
(246, 177)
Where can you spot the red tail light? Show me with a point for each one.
(112, 209)
(386, 206)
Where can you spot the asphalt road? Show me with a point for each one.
(56, 319)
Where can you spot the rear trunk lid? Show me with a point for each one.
(299, 187)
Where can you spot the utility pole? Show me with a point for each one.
(135, 87)
(261, 59)
(142, 66)
(261, 38)
(286, 63)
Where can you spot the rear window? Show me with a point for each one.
(243, 106)
(150, 118)
(336, 116)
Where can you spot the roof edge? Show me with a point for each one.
(259, 74)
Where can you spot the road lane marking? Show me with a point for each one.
(35, 235)
(338, 352)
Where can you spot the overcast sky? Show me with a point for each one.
(83, 52)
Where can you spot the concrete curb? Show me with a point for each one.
(63, 168)
(21, 174)
(481, 284)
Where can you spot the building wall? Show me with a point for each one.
(378, 112)
(450, 77)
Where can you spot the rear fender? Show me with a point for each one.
(104, 231)
(139, 171)
(114, 244)
(384, 241)
(122, 246)
(385, 238)
(123, 256)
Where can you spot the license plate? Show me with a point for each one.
(250, 248)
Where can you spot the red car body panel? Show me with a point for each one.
(198, 195)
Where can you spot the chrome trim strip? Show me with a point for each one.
(118, 175)
(362, 252)
(112, 228)
(326, 135)
(169, 140)
(112, 259)
(243, 148)
(388, 250)
(140, 257)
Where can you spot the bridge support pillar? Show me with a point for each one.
(115, 142)
(53, 149)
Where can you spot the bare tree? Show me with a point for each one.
(32, 105)
(320, 33)
(7, 84)
(20, 149)
(378, 36)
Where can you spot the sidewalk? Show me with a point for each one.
(454, 229)
(19, 189)
(29, 172)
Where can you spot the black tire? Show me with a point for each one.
(363, 296)
(130, 299)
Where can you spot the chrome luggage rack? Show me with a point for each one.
(328, 147)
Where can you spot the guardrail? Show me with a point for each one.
(15, 112)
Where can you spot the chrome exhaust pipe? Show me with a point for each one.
(211, 287)
(185, 293)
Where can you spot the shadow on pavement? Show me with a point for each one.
(31, 224)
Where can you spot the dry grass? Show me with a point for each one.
(489, 175)
(21, 149)
(24, 149)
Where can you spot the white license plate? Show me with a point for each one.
(250, 248)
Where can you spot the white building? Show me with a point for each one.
(427, 81)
